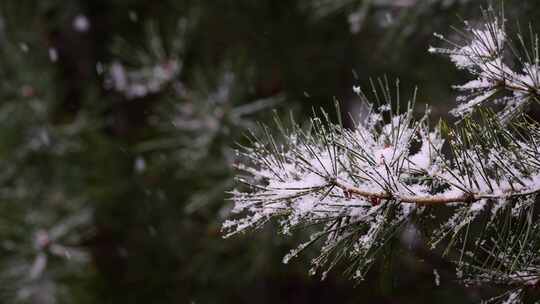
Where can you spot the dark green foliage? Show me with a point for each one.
(125, 197)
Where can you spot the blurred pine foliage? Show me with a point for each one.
(118, 118)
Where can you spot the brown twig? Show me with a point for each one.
(465, 198)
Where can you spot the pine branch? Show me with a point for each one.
(358, 187)
(489, 54)
(466, 198)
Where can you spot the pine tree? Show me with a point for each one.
(115, 155)
(354, 190)
(118, 119)
(64, 147)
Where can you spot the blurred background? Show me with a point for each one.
(119, 121)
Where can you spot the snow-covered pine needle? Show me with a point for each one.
(506, 74)
(362, 185)
(354, 189)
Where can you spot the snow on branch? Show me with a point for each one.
(504, 74)
(361, 186)
(354, 189)
(151, 68)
